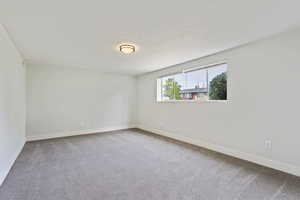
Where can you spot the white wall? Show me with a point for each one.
(65, 101)
(12, 104)
(264, 104)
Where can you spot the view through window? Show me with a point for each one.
(204, 84)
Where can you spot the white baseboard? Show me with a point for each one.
(74, 133)
(5, 169)
(281, 166)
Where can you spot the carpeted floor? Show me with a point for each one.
(134, 165)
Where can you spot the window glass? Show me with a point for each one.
(167, 88)
(196, 85)
(217, 79)
(202, 84)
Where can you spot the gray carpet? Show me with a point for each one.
(134, 165)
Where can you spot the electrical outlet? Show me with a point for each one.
(268, 144)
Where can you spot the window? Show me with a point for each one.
(201, 83)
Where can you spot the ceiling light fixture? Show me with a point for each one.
(127, 48)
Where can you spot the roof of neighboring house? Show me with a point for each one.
(194, 90)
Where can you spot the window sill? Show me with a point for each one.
(193, 101)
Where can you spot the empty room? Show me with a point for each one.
(149, 100)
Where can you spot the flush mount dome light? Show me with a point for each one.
(127, 48)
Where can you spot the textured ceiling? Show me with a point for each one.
(84, 33)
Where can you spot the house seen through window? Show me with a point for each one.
(209, 83)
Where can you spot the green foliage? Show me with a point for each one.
(172, 89)
(218, 87)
